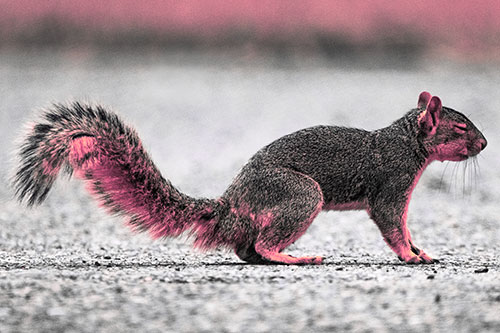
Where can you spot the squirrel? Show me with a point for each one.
(275, 196)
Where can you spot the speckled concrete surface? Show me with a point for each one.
(67, 267)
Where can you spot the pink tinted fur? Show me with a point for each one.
(274, 253)
(404, 246)
(423, 99)
(263, 219)
(108, 181)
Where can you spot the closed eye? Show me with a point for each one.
(460, 128)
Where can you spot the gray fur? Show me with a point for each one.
(277, 194)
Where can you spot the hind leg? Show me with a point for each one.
(284, 231)
(249, 255)
(272, 256)
(290, 220)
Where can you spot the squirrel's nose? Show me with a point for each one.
(483, 143)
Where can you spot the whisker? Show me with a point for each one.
(472, 168)
(470, 178)
(454, 176)
(464, 177)
(478, 167)
(476, 172)
(442, 176)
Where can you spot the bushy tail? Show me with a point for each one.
(95, 145)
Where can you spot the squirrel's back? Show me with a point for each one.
(333, 156)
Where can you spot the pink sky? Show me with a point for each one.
(462, 23)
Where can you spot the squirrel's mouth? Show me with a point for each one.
(464, 154)
(473, 151)
(459, 157)
(474, 148)
(463, 157)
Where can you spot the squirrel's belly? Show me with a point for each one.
(355, 205)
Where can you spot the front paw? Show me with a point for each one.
(422, 258)
(426, 259)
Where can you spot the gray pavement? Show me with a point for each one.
(67, 267)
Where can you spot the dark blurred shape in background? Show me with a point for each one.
(406, 30)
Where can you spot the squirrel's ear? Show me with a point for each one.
(423, 99)
(429, 119)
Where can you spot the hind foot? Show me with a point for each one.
(281, 258)
(251, 256)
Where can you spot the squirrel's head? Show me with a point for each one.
(448, 135)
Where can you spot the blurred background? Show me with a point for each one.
(207, 84)
(403, 31)
(269, 67)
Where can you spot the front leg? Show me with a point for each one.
(390, 217)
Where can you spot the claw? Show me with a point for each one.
(415, 250)
(317, 260)
(425, 258)
(414, 260)
(422, 258)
